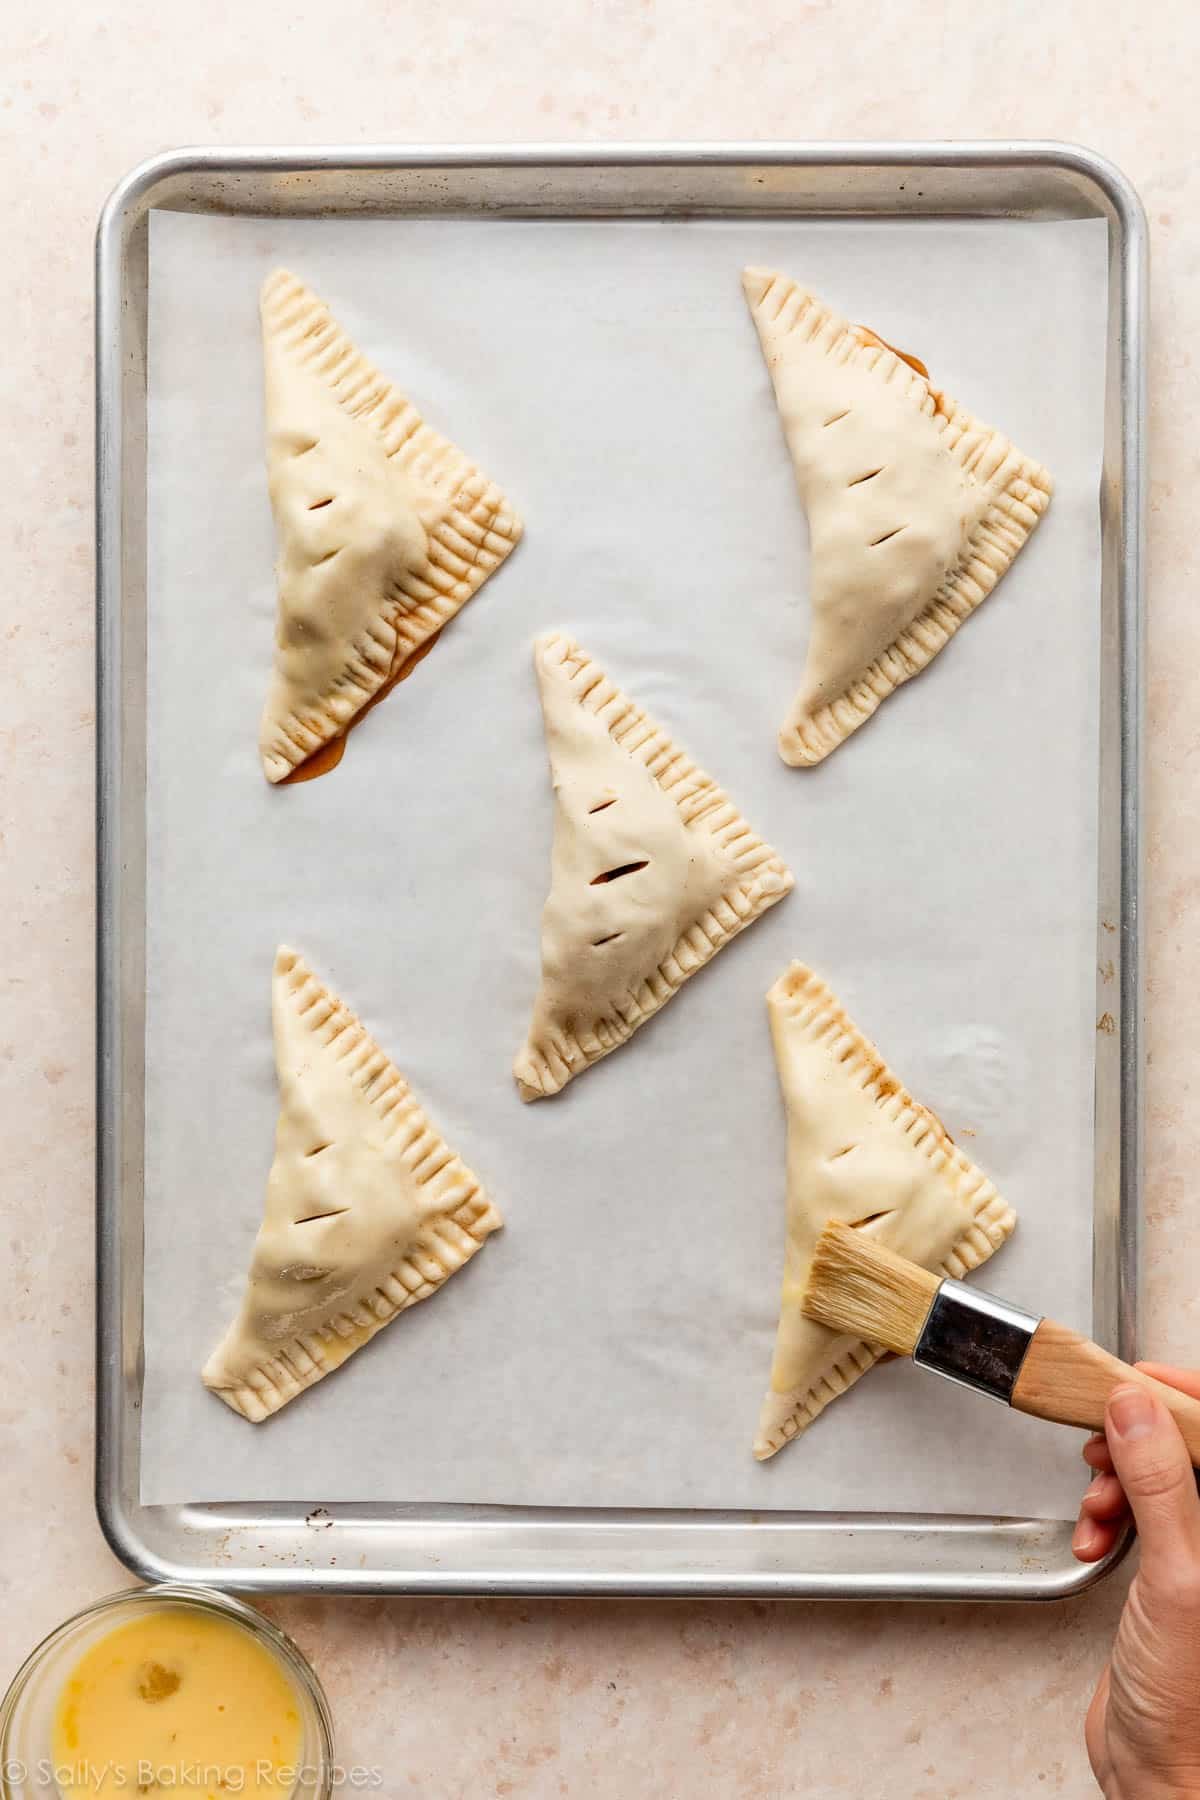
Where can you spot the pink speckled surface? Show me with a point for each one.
(468, 1699)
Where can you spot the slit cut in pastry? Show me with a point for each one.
(859, 1149)
(653, 870)
(915, 509)
(385, 528)
(368, 1209)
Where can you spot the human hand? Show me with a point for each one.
(1143, 1726)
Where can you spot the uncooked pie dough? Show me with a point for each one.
(385, 528)
(368, 1209)
(653, 870)
(862, 1150)
(915, 509)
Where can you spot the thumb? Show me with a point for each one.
(1155, 1470)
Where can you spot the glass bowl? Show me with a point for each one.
(27, 1711)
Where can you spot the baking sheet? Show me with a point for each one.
(611, 1347)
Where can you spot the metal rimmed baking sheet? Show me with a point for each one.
(523, 1546)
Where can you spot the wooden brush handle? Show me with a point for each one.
(1068, 1379)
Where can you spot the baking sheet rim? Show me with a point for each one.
(1123, 487)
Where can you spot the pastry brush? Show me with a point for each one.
(858, 1287)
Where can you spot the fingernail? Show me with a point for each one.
(1132, 1413)
(1084, 1537)
(1095, 1487)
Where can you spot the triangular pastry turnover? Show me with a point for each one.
(915, 509)
(385, 529)
(653, 870)
(859, 1149)
(368, 1209)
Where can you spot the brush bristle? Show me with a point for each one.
(861, 1289)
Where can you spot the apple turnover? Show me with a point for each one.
(368, 1209)
(859, 1149)
(385, 529)
(653, 870)
(915, 509)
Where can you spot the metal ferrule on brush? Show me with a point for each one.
(975, 1339)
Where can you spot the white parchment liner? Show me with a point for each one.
(611, 1347)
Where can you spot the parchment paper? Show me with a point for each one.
(611, 1347)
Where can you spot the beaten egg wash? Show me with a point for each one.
(177, 1703)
